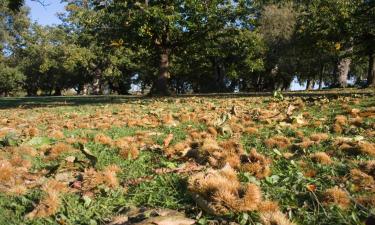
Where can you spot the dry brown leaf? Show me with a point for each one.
(168, 140)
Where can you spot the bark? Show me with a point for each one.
(342, 72)
(79, 89)
(96, 86)
(371, 70)
(160, 86)
(286, 86)
(219, 74)
(57, 91)
(85, 90)
(321, 78)
(310, 84)
(32, 92)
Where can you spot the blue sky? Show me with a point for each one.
(45, 15)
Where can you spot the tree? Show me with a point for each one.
(50, 61)
(112, 61)
(278, 24)
(12, 26)
(11, 79)
(364, 35)
(15, 5)
(164, 27)
(331, 23)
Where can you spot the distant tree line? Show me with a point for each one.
(181, 46)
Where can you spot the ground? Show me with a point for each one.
(248, 160)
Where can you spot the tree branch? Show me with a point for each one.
(42, 2)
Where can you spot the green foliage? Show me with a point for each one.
(189, 46)
(11, 79)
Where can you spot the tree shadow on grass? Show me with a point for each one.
(35, 102)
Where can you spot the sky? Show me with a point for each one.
(45, 15)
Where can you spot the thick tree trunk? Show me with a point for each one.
(79, 89)
(217, 85)
(85, 90)
(310, 84)
(160, 86)
(221, 81)
(96, 86)
(342, 72)
(32, 92)
(371, 70)
(233, 85)
(321, 78)
(57, 91)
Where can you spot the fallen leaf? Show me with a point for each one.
(311, 187)
(119, 220)
(290, 109)
(168, 220)
(70, 159)
(39, 141)
(168, 140)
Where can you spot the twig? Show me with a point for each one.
(42, 2)
(319, 203)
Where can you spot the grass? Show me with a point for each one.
(138, 183)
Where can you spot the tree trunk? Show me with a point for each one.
(79, 89)
(57, 91)
(32, 92)
(96, 86)
(371, 70)
(221, 81)
(321, 78)
(342, 72)
(310, 84)
(160, 86)
(217, 83)
(85, 89)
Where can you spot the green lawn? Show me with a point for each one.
(77, 141)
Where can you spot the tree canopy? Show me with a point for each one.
(167, 47)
